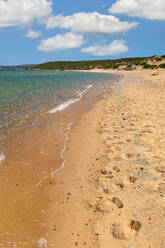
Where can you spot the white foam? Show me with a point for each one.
(66, 104)
(63, 105)
(80, 94)
(89, 86)
(63, 150)
(2, 157)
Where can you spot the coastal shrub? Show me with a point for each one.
(143, 63)
(158, 59)
(147, 66)
(162, 65)
(136, 62)
(116, 66)
(106, 64)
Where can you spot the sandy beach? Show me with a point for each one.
(82, 124)
(111, 192)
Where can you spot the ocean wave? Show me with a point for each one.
(63, 105)
(66, 104)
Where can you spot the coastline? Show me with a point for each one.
(28, 165)
(112, 188)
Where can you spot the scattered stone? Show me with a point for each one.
(106, 191)
(117, 202)
(103, 171)
(116, 168)
(121, 185)
(132, 179)
(135, 225)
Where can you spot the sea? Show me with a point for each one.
(37, 111)
(25, 95)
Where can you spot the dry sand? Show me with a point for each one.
(111, 193)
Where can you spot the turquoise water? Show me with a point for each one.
(24, 94)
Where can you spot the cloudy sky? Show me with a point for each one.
(36, 31)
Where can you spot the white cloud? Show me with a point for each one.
(33, 34)
(61, 42)
(92, 23)
(116, 47)
(23, 12)
(149, 9)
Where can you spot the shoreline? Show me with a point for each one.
(99, 198)
(31, 161)
(113, 173)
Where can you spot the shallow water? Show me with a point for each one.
(27, 95)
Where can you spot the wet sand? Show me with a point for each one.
(111, 192)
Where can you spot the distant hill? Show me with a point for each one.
(15, 68)
(153, 62)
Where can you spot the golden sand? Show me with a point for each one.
(111, 192)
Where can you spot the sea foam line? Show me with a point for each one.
(40, 183)
(63, 150)
(66, 104)
(2, 157)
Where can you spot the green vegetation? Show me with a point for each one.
(162, 65)
(124, 63)
(158, 59)
(148, 66)
(143, 63)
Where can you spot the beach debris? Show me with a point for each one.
(2, 157)
(138, 158)
(42, 243)
(154, 73)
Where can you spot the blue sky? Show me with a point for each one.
(36, 31)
